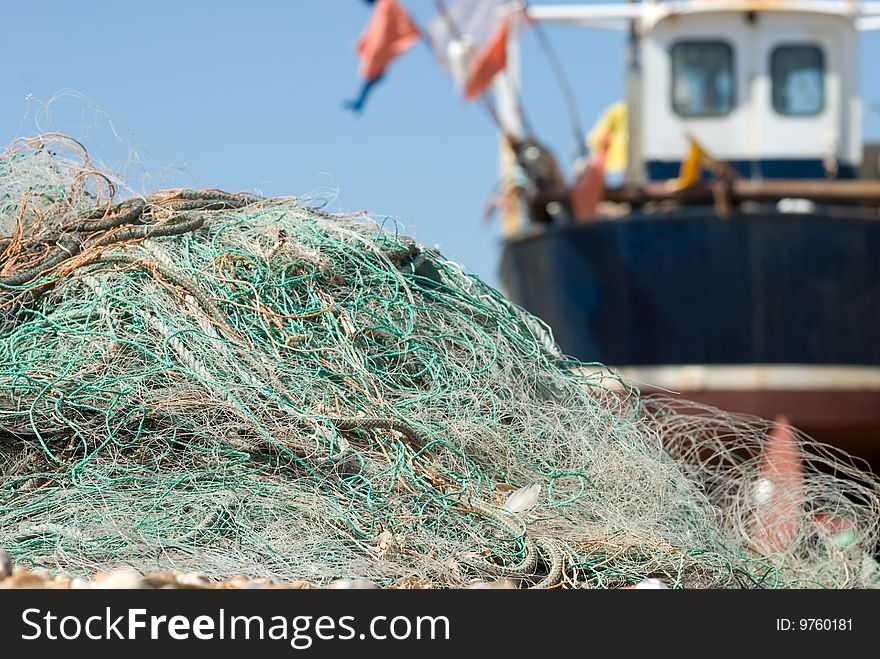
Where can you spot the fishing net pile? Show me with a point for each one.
(208, 381)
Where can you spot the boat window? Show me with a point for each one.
(798, 80)
(702, 78)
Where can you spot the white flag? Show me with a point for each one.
(458, 34)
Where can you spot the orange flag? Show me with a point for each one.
(390, 33)
(780, 491)
(489, 62)
(589, 189)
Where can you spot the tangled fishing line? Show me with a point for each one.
(220, 382)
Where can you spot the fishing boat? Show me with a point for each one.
(756, 286)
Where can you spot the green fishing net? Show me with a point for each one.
(218, 382)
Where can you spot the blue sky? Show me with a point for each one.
(248, 96)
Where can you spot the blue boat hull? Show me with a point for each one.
(695, 289)
(760, 314)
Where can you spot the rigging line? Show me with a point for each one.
(456, 33)
(486, 102)
(562, 80)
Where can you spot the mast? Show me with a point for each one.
(507, 91)
(635, 167)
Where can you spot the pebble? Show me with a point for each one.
(193, 580)
(353, 584)
(293, 585)
(128, 578)
(78, 584)
(259, 582)
(124, 579)
(160, 580)
(500, 584)
(61, 582)
(22, 579)
(238, 581)
(651, 584)
(5, 564)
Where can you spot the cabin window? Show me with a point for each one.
(798, 74)
(702, 79)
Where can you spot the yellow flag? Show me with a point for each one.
(691, 167)
(611, 123)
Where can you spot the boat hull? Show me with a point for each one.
(760, 313)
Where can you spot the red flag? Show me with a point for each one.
(389, 33)
(589, 189)
(489, 62)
